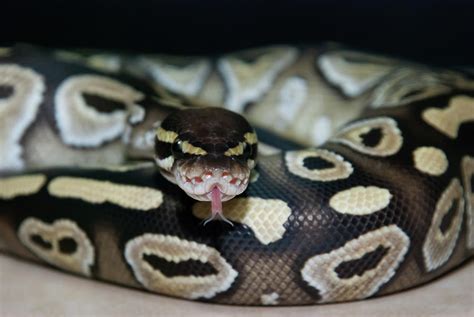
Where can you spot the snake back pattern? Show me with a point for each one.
(364, 182)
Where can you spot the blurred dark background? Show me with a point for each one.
(437, 32)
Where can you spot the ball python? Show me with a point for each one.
(363, 185)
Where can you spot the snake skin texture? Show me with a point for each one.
(364, 184)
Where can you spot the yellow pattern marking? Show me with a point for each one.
(176, 250)
(430, 160)
(295, 162)
(320, 270)
(391, 139)
(187, 147)
(165, 135)
(5, 51)
(439, 245)
(79, 261)
(266, 217)
(98, 192)
(24, 185)
(360, 200)
(251, 138)
(468, 172)
(236, 150)
(448, 120)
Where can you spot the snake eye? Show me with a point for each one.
(176, 147)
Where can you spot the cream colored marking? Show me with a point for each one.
(187, 147)
(69, 56)
(187, 80)
(408, 84)
(265, 149)
(136, 114)
(104, 62)
(82, 125)
(321, 130)
(390, 143)
(251, 163)
(292, 97)
(439, 246)
(17, 111)
(266, 217)
(166, 163)
(269, 299)
(251, 138)
(430, 160)
(5, 51)
(24, 185)
(467, 165)
(166, 136)
(449, 119)
(295, 163)
(360, 200)
(247, 82)
(80, 261)
(254, 175)
(176, 250)
(319, 270)
(99, 192)
(128, 167)
(236, 150)
(354, 78)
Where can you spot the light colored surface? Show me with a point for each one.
(31, 290)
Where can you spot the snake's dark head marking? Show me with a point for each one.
(208, 152)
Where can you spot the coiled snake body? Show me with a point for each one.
(331, 214)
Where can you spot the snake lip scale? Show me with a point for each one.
(343, 175)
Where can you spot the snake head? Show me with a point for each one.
(208, 152)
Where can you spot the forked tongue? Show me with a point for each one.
(216, 206)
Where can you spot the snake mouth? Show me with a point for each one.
(207, 181)
(200, 183)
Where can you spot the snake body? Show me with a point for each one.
(364, 184)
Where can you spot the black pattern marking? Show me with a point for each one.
(6, 91)
(39, 241)
(184, 268)
(372, 138)
(370, 260)
(102, 104)
(162, 149)
(448, 218)
(67, 245)
(317, 163)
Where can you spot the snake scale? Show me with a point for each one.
(363, 184)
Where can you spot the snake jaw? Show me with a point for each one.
(199, 182)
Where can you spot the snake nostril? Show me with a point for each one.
(198, 179)
(226, 176)
(234, 181)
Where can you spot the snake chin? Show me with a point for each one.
(198, 184)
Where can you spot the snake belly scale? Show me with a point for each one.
(363, 185)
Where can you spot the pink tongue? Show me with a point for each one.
(216, 201)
